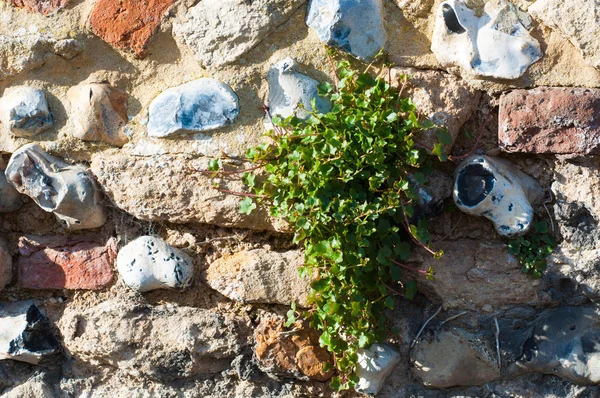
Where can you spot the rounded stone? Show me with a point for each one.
(24, 111)
(149, 263)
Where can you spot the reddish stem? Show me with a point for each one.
(407, 267)
(250, 195)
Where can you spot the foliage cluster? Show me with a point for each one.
(533, 249)
(347, 181)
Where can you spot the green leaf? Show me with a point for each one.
(410, 289)
(214, 164)
(444, 137)
(247, 205)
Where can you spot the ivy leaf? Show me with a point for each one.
(247, 205)
(444, 137)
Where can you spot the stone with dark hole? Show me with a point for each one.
(451, 20)
(496, 189)
(66, 190)
(25, 333)
(24, 111)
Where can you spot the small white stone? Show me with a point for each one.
(24, 111)
(374, 366)
(149, 263)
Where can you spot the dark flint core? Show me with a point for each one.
(37, 336)
(474, 183)
(452, 20)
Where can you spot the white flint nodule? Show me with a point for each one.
(200, 105)
(374, 366)
(149, 263)
(495, 44)
(64, 189)
(24, 111)
(495, 189)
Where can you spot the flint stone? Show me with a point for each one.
(170, 190)
(24, 111)
(44, 7)
(221, 31)
(374, 365)
(495, 44)
(60, 262)
(6, 272)
(128, 24)
(354, 26)
(550, 120)
(445, 99)
(260, 276)
(25, 333)
(295, 354)
(565, 343)
(289, 89)
(201, 105)
(10, 198)
(454, 358)
(66, 190)
(149, 263)
(25, 52)
(577, 20)
(157, 342)
(99, 112)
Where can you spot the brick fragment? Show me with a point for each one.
(44, 7)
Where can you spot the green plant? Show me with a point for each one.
(346, 182)
(533, 249)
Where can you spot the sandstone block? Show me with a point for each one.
(550, 120)
(128, 24)
(66, 262)
(149, 263)
(260, 276)
(44, 7)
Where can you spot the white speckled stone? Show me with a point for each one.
(149, 263)
(374, 366)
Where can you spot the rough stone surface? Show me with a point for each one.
(290, 354)
(66, 190)
(577, 20)
(495, 43)
(128, 24)
(162, 342)
(550, 120)
(353, 26)
(445, 99)
(565, 343)
(25, 333)
(10, 198)
(99, 112)
(22, 51)
(260, 276)
(24, 110)
(475, 274)
(44, 7)
(497, 190)
(454, 358)
(374, 365)
(149, 263)
(200, 105)
(6, 271)
(59, 262)
(289, 89)
(174, 191)
(221, 31)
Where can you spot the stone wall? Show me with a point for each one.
(109, 92)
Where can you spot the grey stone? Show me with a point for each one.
(66, 190)
(291, 92)
(10, 198)
(354, 26)
(260, 276)
(6, 272)
(156, 342)
(497, 190)
(24, 111)
(374, 365)
(25, 333)
(454, 358)
(99, 112)
(566, 343)
(149, 263)
(201, 105)
(221, 31)
(494, 44)
(431, 195)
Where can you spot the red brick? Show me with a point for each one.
(44, 7)
(550, 120)
(128, 24)
(61, 262)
